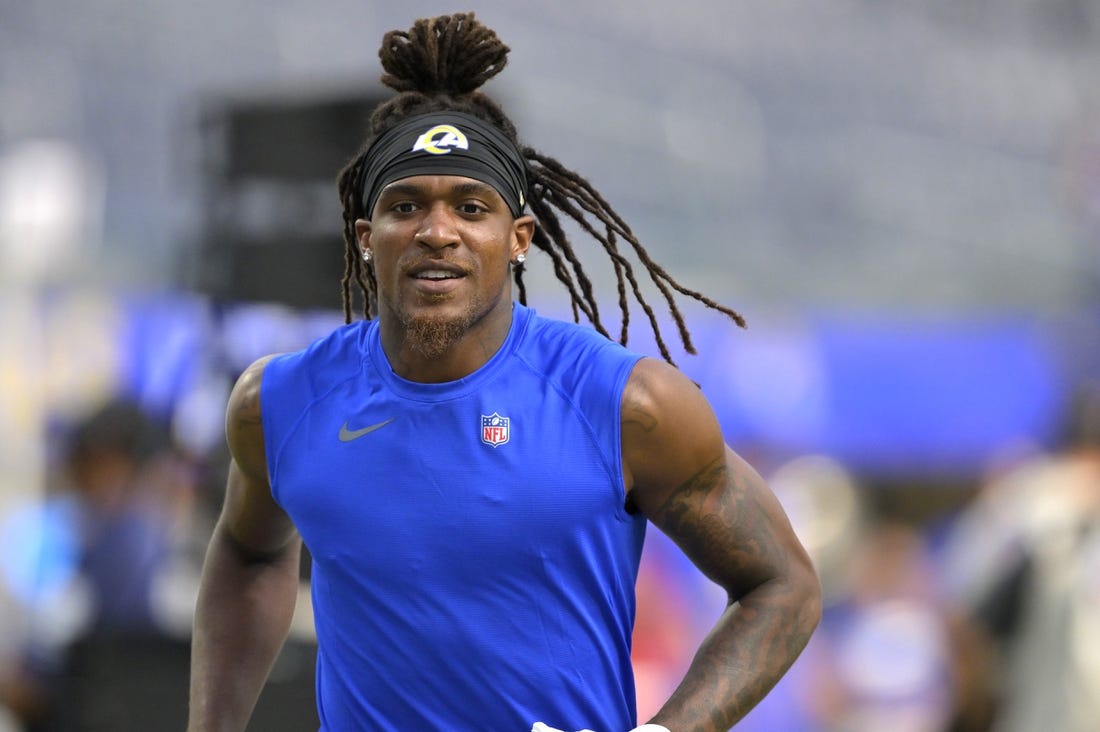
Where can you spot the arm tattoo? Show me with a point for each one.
(705, 514)
(718, 519)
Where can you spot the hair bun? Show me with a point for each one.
(449, 54)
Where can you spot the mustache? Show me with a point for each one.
(435, 261)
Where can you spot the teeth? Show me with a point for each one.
(436, 274)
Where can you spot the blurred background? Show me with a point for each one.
(903, 199)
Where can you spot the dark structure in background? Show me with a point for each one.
(271, 228)
(141, 684)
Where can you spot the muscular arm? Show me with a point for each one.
(249, 580)
(682, 476)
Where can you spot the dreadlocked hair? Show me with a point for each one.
(438, 65)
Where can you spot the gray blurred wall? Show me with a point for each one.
(930, 155)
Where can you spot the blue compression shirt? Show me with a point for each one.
(473, 563)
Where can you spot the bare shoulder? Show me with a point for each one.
(251, 518)
(244, 419)
(244, 401)
(656, 389)
(669, 431)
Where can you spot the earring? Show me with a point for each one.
(520, 259)
(366, 255)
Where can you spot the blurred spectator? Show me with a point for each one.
(882, 660)
(1024, 560)
(119, 466)
(828, 509)
(91, 560)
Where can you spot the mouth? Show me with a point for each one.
(436, 278)
(438, 274)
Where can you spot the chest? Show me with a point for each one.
(483, 474)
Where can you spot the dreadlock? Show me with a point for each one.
(438, 65)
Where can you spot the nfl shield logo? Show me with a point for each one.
(494, 429)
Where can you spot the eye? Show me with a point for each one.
(472, 208)
(404, 207)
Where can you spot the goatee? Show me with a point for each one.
(433, 337)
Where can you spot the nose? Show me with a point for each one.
(437, 228)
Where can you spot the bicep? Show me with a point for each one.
(251, 518)
(697, 490)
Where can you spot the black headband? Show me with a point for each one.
(446, 143)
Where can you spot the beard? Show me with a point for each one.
(433, 337)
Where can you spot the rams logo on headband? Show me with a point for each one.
(440, 139)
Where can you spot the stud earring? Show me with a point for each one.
(520, 259)
(366, 255)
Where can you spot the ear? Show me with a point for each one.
(523, 229)
(362, 235)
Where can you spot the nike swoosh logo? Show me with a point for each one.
(347, 435)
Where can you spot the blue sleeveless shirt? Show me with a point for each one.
(473, 563)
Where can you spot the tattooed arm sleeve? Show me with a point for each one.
(680, 473)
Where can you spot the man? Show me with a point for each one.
(472, 480)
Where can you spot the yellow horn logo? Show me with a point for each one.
(440, 139)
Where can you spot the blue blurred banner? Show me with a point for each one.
(883, 394)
